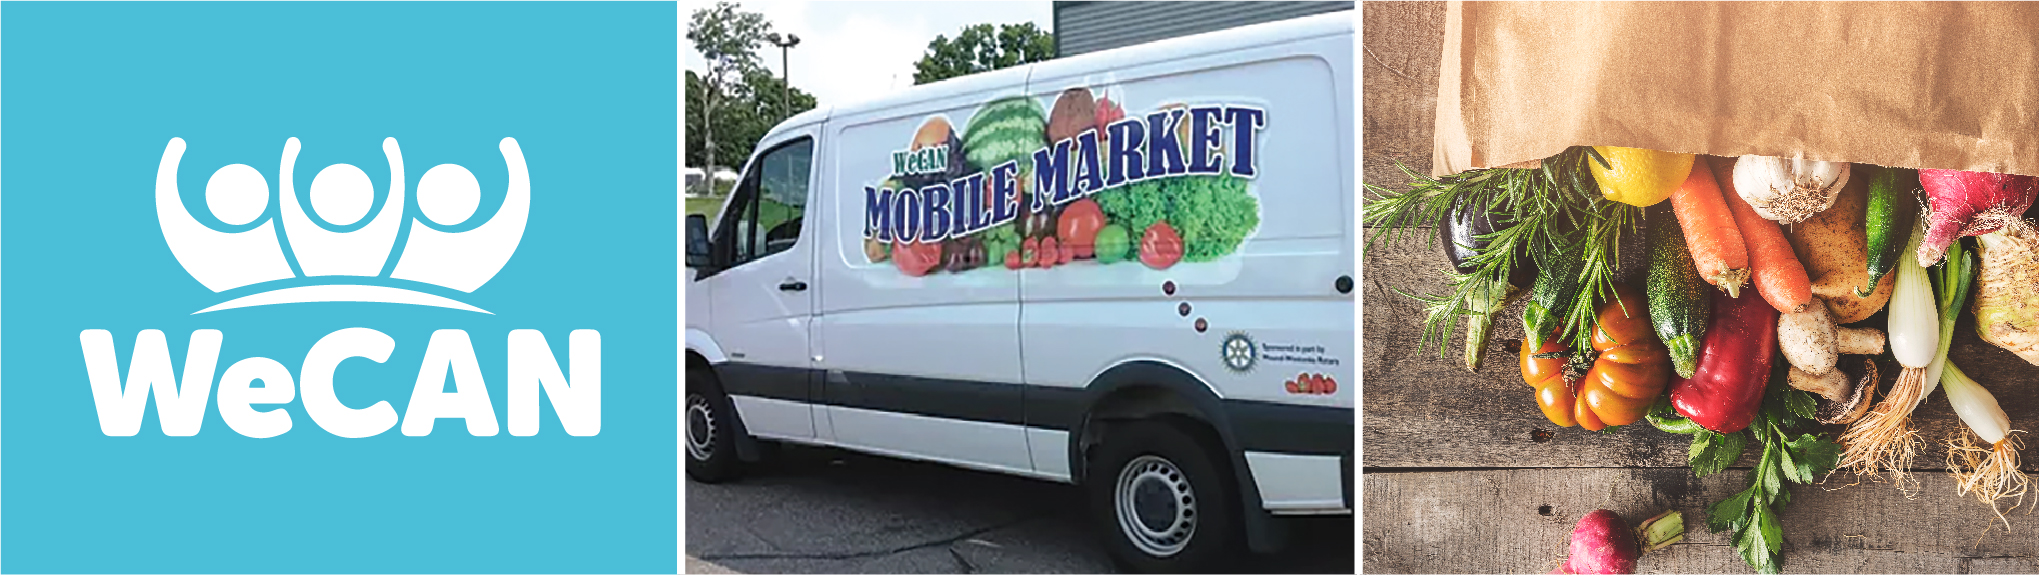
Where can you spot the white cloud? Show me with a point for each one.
(865, 56)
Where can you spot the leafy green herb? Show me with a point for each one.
(1539, 212)
(1712, 452)
(1800, 403)
(1611, 221)
(1751, 515)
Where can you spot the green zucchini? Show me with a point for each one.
(1679, 302)
(1889, 222)
(1553, 292)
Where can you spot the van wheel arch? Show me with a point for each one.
(748, 448)
(1155, 390)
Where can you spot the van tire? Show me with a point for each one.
(1151, 473)
(710, 429)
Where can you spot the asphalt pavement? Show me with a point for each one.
(816, 510)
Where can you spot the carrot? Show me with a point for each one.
(1778, 274)
(1710, 232)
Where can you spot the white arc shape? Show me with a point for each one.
(361, 252)
(466, 260)
(341, 293)
(218, 260)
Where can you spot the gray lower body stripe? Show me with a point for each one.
(1256, 425)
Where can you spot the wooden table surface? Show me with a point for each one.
(1463, 474)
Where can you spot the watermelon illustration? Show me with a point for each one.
(1006, 129)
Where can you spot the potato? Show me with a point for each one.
(1834, 247)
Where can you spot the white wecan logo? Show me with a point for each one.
(342, 196)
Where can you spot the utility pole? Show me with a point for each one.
(785, 44)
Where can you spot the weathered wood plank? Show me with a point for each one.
(1426, 411)
(1519, 520)
(1402, 44)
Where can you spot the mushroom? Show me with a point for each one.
(1842, 397)
(1813, 345)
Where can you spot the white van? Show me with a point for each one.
(1130, 270)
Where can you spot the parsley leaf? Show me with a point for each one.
(1727, 513)
(1761, 540)
(1751, 515)
(1801, 403)
(1712, 452)
(1814, 456)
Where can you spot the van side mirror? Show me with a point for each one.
(697, 241)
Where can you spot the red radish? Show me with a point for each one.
(1603, 543)
(1965, 204)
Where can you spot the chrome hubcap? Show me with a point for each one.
(1156, 507)
(701, 428)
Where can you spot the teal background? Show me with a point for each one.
(92, 94)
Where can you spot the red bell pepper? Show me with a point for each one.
(1734, 366)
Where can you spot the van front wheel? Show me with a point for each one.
(1157, 495)
(711, 440)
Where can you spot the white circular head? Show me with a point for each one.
(341, 194)
(237, 194)
(448, 194)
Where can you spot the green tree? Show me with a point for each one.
(982, 48)
(748, 110)
(728, 38)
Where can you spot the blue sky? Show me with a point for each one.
(855, 50)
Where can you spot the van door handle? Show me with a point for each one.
(793, 285)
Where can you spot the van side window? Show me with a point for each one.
(769, 203)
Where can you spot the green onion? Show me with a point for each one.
(1884, 438)
(1990, 474)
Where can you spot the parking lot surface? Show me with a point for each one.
(814, 510)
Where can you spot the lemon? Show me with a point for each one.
(1639, 177)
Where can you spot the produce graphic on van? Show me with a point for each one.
(1080, 180)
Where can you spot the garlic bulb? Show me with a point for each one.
(1789, 190)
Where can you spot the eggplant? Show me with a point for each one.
(1464, 224)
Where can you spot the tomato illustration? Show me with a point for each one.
(916, 259)
(1012, 260)
(1079, 225)
(1160, 246)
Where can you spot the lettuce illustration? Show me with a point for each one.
(1213, 214)
(1136, 206)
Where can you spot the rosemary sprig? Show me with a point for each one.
(1532, 207)
(1610, 221)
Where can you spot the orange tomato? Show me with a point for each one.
(1631, 371)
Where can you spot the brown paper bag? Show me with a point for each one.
(1950, 85)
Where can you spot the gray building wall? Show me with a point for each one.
(1084, 27)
